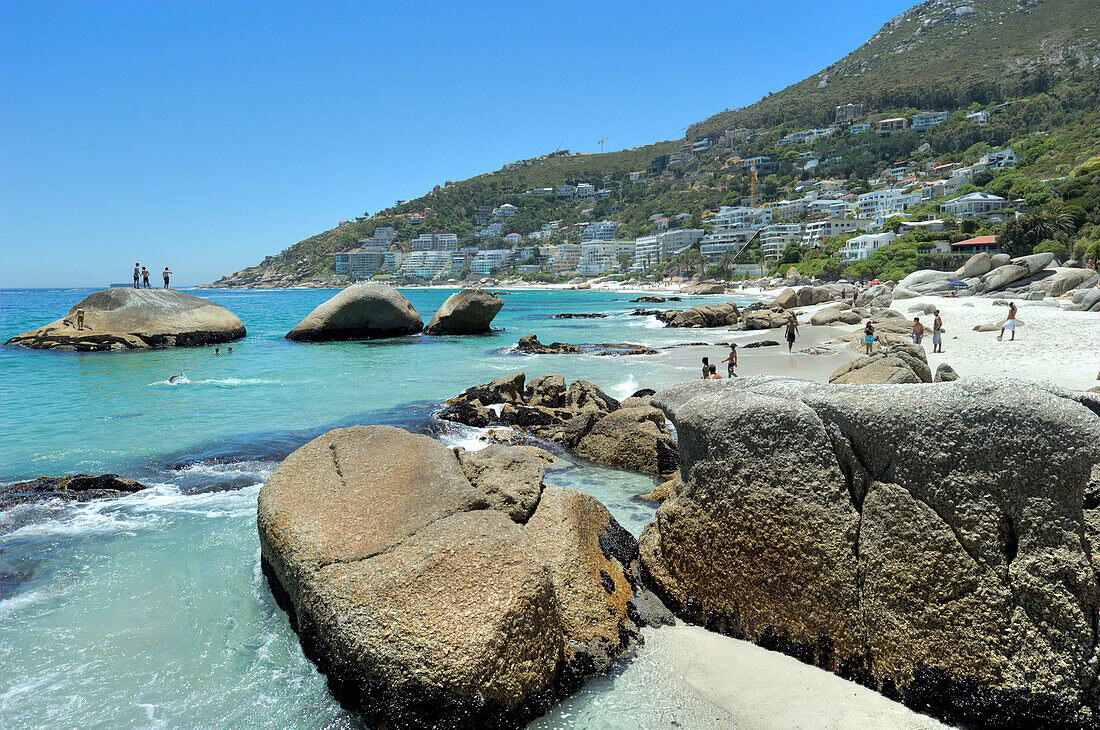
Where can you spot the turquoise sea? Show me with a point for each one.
(150, 610)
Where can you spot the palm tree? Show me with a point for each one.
(1024, 233)
(692, 259)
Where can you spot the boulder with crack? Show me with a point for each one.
(443, 590)
(937, 542)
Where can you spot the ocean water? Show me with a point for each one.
(150, 610)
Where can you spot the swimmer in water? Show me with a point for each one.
(175, 378)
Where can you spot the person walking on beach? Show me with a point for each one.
(137, 273)
(1010, 323)
(165, 274)
(792, 332)
(918, 331)
(731, 361)
(937, 333)
(145, 277)
(868, 337)
(706, 368)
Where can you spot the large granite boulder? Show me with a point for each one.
(787, 299)
(361, 311)
(1086, 300)
(897, 362)
(976, 265)
(124, 318)
(426, 604)
(927, 280)
(766, 319)
(703, 288)
(934, 541)
(635, 439)
(467, 312)
(1065, 280)
(834, 316)
(719, 314)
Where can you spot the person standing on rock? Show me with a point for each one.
(145, 277)
(731, 361)
(937, 333)
(1010, 323)
(80, 318)
(137, 273)
(792, 332)
(918, 331)
(165, 274)
(868, 337)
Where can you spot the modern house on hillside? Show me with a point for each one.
(979, 117)
(1000, 160)
(600, 231)
(927, 120)
(891, 125)
(818, 231)
(973, 204)
(847, 112)
(860, 247)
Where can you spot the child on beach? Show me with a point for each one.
(731, 361)
(706, 368)
(868, 337)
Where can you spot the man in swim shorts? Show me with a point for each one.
(792, 332)
(937, 333)
(918, 331)
(1010, 323)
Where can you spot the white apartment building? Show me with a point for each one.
(565, 257)
(831, 208)
(564, 191)
(775, 238)
(980, 117)
(787, 210)
(733, 240)
(600, 231)
(493, 230)
(485, 262)
(426, 264)
(504, 211)
(887, 202)
(818, 231)
(729, 216)
(649, 251)
(392, 261)
(860, 247)
(893, 124)
(602, 257)
(435, 242)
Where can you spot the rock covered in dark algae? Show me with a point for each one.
(936, 541)
(435, 592)
(74, 488)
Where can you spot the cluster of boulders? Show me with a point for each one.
(1025, 277)
(124, 318)
(939, 543)
(443, 588)
(70, 488)
(529, 344)
(367, 311)
(758, 316)
(629, 435)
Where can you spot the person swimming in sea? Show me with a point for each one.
(173, 380)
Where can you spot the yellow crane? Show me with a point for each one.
(605, 139)
(752, 186)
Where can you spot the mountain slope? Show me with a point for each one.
(940, 55)
(1042, 54)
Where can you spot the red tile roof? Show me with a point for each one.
(977, 241)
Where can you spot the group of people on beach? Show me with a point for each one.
(918, 333)
(710, 372)
(142, 274)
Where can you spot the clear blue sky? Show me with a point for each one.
(203, 135)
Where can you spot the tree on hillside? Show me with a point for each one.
(1021, 235)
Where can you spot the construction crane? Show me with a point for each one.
(605, 139)
(752, 186)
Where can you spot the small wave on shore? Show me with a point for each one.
(625, 389)
(217, 382)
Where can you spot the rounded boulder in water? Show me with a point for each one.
(360, 312)
(467, 312)
(122, 318)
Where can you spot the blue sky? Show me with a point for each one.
(204, 135)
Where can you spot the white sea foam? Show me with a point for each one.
(626, 388)
(260, 470)
(218, 382)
